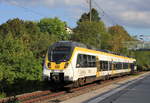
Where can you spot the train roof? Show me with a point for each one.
(76, 44)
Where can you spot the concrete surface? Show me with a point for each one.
(127, 91)
(139, 92)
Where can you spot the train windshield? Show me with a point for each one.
(59, 54)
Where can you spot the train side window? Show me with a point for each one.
(110, 65)
(104, 65)
(119, 66)
(79, 61)
(93, 58)
(85, 63)
(125, 65)
(89, 63)
(114, 65)
(101, 64)
(132, 66)
(93, 61)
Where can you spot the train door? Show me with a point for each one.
(79, 64)
(82, 65)
(109, 67)
(112, 68)
(133, 67)
(98, 67)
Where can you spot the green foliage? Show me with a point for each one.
(22, 47)
(40, 43)
(143, 60)
(86, 16)
(118, 36)
(54, 26)
(17, 61)
(16, 27)
(91, 33)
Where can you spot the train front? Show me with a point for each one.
(57, 66)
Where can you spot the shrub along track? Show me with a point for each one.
(61, 94)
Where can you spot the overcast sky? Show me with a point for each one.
(134, 15)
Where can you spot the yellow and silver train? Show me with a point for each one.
(73, 62)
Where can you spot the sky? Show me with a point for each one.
(134, 15)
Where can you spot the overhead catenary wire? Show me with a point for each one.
(27, 9)
(35, 12)
(103, 12)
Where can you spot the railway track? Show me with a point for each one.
(25, 96)
(48, 94)
(40, 96)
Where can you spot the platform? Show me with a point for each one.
(135, 90)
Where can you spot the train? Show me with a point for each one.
(72, 62)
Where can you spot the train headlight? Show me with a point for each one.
(66, 65)
(49, 65)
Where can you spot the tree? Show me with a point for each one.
(16, 27)
(19, 60)
(86, 16)
(30, 33)
(17, 65)
(142, 59)
(91, 33)
(22, 46)
(40, 43)
(54, 27)
(118, 36)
